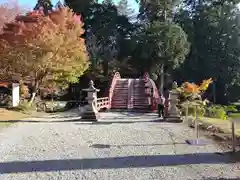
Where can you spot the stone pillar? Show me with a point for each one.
(90, 112)
(173, 112)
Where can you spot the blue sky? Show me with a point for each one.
(31, 3)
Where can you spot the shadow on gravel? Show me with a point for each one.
(40, 121)
(58, 117)
(137, 114)
(208, 178)
(104, 122)
(112, 163)
(106, 146)
(81, 122)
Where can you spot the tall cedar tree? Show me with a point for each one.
(47, 48)
(45, 4)
(167, 44)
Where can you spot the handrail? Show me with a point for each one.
(146, 77)
(102, 103)
(111, 89)
(155, 94)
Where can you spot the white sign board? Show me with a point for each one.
(15, 94)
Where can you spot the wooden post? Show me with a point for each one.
(197, 140)
(186, 115)
(233, 137)
(196, 122)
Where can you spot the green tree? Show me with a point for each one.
(107, 34)
(45, 4)
(80, 7)
(166, 42)
(213, 28)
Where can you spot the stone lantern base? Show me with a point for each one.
(90, 116)
(173, 115)
(90, 113)
(176, 119)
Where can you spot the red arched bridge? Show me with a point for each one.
(137, 94)
(131, 94)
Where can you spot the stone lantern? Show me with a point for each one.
(90, 112)
(173, 112)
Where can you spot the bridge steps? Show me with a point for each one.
(120, 94)
(130, 94)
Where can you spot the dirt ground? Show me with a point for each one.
(6, 115)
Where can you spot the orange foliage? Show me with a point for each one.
(24, 90)
(192, 88)
(205, 83)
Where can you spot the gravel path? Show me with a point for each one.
(121, 147)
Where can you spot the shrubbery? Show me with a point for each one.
(216, 111)
(191, 111)
(213, 111)
(191, 98)
(25, 107)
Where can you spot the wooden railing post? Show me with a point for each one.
(102, 103)
(147, 88)
(111, 89)
(233, 137)
(155, 95)
(130, 94)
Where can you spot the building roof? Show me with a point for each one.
(4, 84)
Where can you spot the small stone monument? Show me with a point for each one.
(173, 112)
(90, 112)
(15, 94)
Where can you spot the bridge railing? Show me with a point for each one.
(111, 89)
(102, 103)
(155, 95)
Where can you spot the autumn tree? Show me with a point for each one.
(46, 48)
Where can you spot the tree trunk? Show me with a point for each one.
(105, 67)
(161, 84)
(34, 92)
(32, 98)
